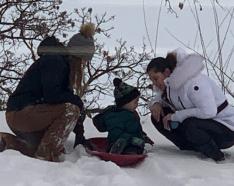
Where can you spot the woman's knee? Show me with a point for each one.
(190, 123)
(190, 127)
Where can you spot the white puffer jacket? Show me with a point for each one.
(194, 94)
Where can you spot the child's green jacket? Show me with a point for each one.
(122, 123)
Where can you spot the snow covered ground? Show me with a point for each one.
(164, 166)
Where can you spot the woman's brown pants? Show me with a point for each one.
(40, 130)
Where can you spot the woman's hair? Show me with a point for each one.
(76, 73)
(159, 64)
(84, 40)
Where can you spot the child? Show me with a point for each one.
(122, 122)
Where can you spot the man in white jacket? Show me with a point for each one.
(187, 98)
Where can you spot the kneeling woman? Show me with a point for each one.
(43, 109)
(185, 95)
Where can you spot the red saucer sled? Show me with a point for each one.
(100, 144)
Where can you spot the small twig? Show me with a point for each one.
(146, 27)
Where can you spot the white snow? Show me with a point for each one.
(164, 166)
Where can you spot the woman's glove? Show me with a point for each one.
(79, 129)
(82, 116)
(80, 140)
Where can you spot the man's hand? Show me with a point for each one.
(156, 111)
(166, 122)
